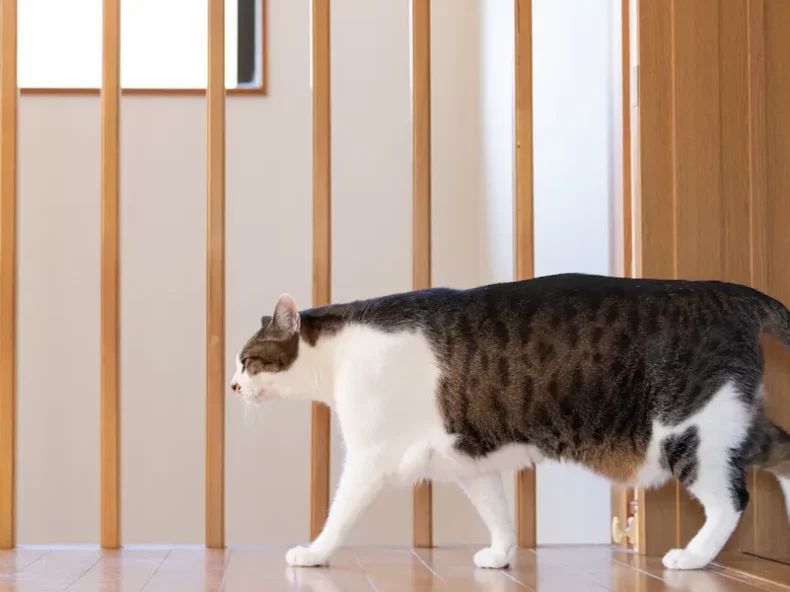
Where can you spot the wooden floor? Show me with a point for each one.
(570, 569)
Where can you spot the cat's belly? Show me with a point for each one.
(439, 461)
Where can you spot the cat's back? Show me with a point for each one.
(560, 307)
(572, 360)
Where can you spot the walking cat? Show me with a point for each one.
(639, 380)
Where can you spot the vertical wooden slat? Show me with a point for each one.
(422, 532)
(110, 359)
(8, 159)
(215, 279)
(625, 40)
(526, 500)
(322, 248)
(621, 495)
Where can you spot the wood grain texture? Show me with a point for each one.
(656, 223)
(657, 520)
(422, 509)
(755, 23)
(773, 535)
(733, 66)
(322, 247)
(656, 179)
(697, 149)
(110, 276)
(715, 135)
(760, 508)
(524, 257)
(215, 279)
(371, 569)
(697, 142)
(8, 242)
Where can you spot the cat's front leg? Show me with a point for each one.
(488, 497)
(360, 484)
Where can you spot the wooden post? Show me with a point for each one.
(110, 357)
(8, 174)
(421, 222)
(322, 249)
(621, 496)
(215, 279)
(524, 241)
(627, 229)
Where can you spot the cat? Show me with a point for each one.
(639, 380)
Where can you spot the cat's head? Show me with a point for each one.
(267, 366)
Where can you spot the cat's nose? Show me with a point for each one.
(235, 386)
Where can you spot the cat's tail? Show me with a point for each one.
(775, 319)
(774, 451)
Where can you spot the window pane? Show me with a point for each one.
(163, 43)
(59, 43)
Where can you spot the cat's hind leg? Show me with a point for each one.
(487, 494)
(706, 457)
(722, 492)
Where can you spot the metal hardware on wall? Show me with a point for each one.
(631, 531)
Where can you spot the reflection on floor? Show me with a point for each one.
(556, 569)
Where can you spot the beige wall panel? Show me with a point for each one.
(162, 262)
(58, 321)
(269, 252)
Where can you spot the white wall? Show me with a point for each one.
(269, 252)
(574, 122)
(58, 321)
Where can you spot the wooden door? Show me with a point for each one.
(712, 200)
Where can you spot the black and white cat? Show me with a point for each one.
(638, 380)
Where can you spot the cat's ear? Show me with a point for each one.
(286, 315)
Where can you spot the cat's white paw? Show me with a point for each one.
(684, 559)
(492, 558)
(305, 557)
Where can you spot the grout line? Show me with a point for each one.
(753, 581)
(151, 577)
(716, 572)
(519, 582)
(364, 573)
(79, 577)
(32, 561)
(225, 571)
(757, 584)
(635, 568)
(428, 567)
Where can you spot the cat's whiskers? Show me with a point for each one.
(246, 406)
